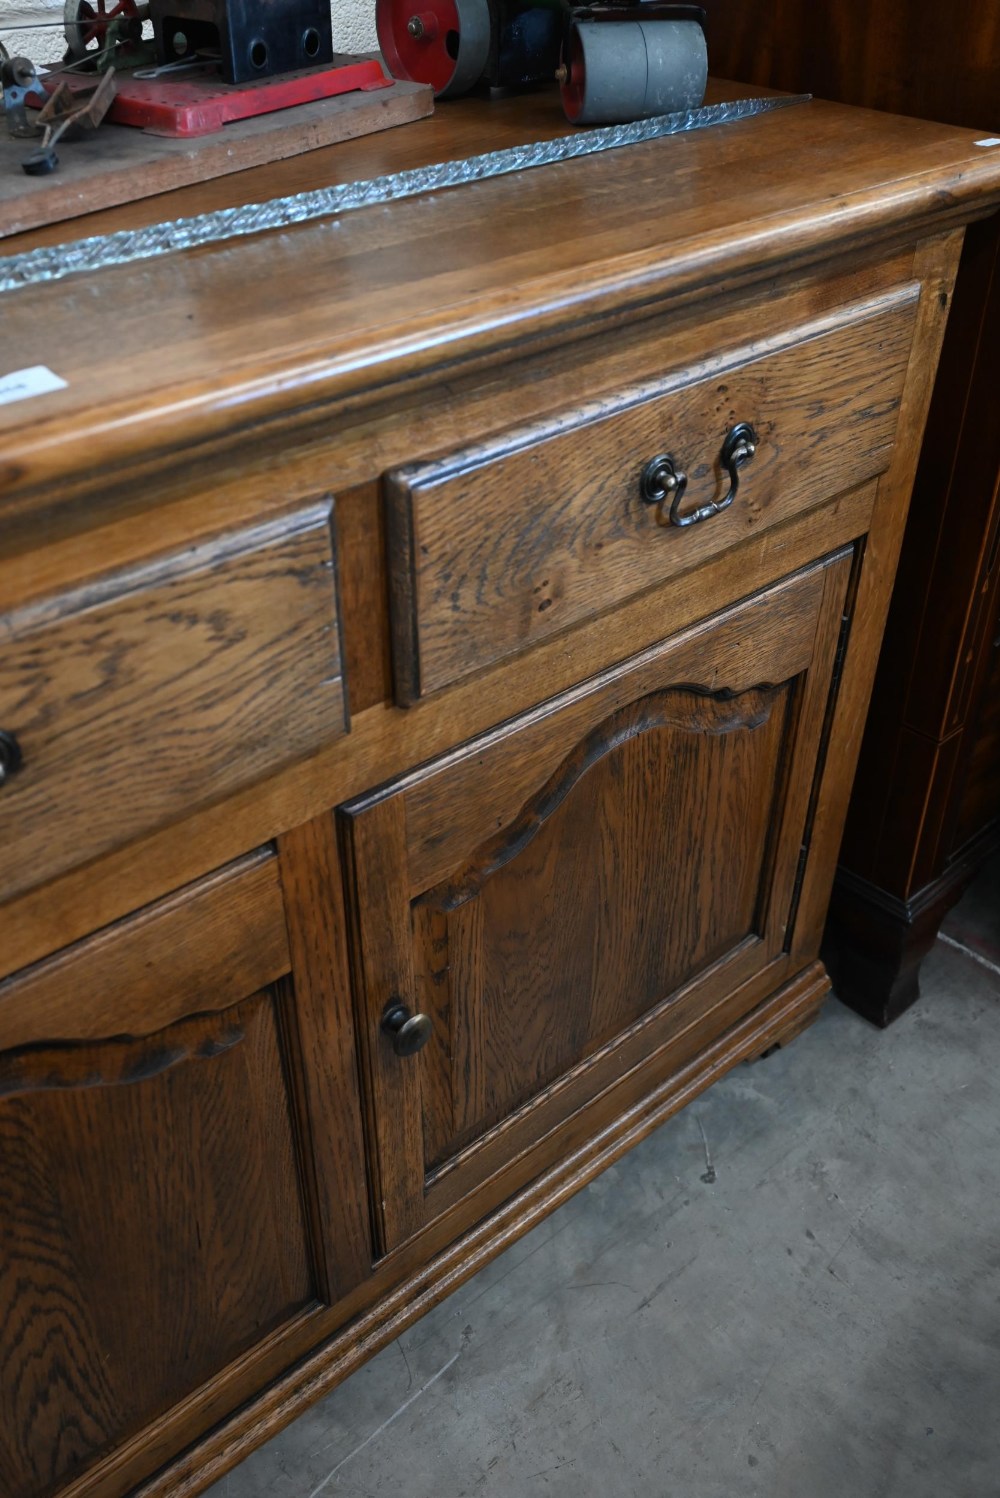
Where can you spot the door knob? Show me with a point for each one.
(408, 1032)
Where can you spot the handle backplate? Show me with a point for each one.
(662, 479)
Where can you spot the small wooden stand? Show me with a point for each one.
(118, 164)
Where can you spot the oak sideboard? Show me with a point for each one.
(434, 651)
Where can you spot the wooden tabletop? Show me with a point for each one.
(173, 351)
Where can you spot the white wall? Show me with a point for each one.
(353, 27)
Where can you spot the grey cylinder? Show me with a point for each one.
(473, 48)
(634, 69)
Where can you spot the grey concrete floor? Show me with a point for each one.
(821, 1320)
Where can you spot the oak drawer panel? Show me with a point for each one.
(498, 546)
(159, 688)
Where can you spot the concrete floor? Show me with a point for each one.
(820, 1320)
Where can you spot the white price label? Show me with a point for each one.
(22, 384)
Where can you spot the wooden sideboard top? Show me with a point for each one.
(168, 355)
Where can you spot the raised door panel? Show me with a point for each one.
(161, 1212)
(569, 896)
(153, 1229)
(571, 925)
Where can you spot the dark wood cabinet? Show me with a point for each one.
(925, 812)
(409, 814)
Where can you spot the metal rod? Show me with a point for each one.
(127, 246)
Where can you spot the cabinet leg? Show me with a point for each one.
(874, 943)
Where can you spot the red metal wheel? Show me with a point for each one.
(86, 22)
(445, 43)
(574, 76)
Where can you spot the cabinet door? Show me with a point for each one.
(580, 892)
(163, 1212)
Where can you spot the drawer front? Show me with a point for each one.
(154, 690)
(496, 547)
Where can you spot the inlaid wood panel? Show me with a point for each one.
(161, 687)
(494, 548)
(571, 893)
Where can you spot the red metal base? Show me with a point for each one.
(202, 105)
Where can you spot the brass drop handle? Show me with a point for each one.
(661, 478)
(409, 1032)
(10, 755)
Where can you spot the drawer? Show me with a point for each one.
(158, 688)
(495, 547)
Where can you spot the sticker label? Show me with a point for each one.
(990, 140)
(21, 384)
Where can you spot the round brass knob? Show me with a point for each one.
(409, 1032)
(10, 755)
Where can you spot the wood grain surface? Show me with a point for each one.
(238, 1117)
(588, 911)
(680, 780)
(320, 1035)
(151, 1229)
(382, 297)
(148, 691)
(197, 951)
(495, 548)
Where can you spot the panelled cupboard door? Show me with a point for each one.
(561, 901)
(158, 1218)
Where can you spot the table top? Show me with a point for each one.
(167, 352)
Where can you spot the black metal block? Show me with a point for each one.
(255, 38)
